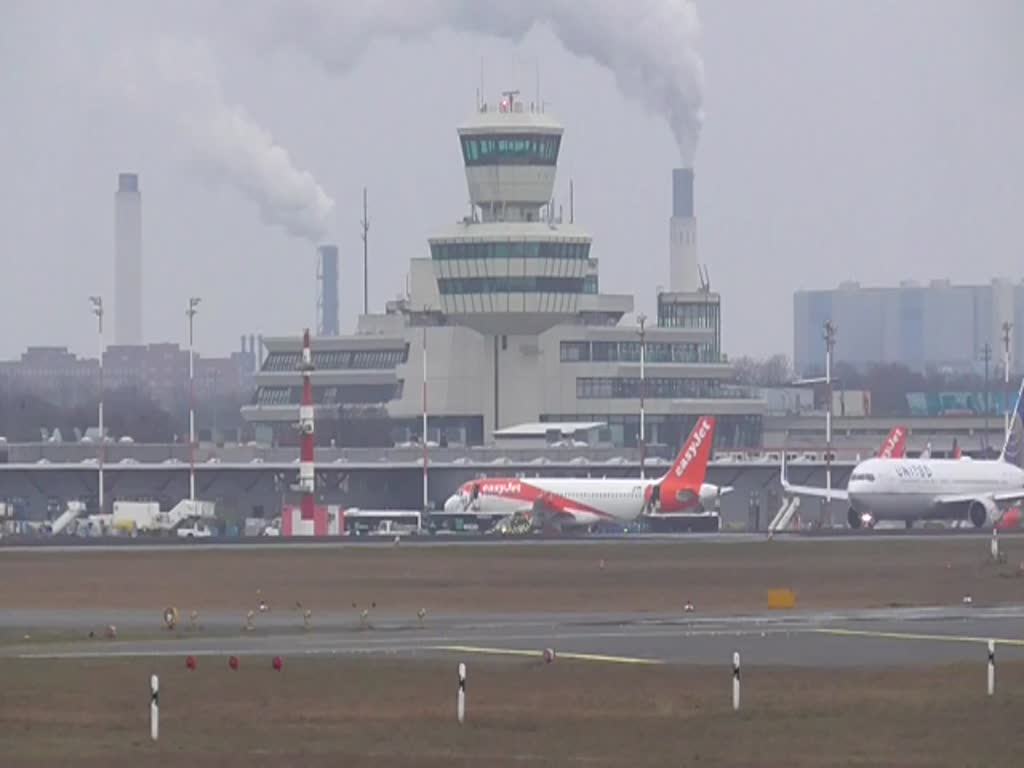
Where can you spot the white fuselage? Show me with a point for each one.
(912, 489)
(589, 500)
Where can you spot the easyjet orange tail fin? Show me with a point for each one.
(895, 445)
(691, 465)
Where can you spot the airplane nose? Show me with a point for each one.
(453, 503)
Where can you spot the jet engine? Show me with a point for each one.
(853, 518)
(982, 512)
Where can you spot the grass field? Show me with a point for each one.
(386, 712)
(599, 577)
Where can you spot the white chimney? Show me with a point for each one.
(128, 260)
(684, 276)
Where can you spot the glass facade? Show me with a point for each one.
(701, 315)
(613, 388)
(629, 352)
(334, 360)
(449, 286)
(511, 149)
(688, 315)
(333, 394)
(509, 250)
(671, 430)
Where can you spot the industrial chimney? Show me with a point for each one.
(327, 300)
(684, 276)
(128, 260)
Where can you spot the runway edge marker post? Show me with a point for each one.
(991, 667)
(736, 681)
(460, 702)
(154, 707)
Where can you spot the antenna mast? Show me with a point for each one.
(365, 226)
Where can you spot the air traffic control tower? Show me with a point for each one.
(512, 266)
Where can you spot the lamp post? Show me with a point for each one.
(425, 448)
(642, 320)
(830, 344)
(1007, 328)
(986, 358)
(97, 309)
(190, 313)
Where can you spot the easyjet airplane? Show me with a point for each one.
(585, 501)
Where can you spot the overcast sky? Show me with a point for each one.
(873, 141)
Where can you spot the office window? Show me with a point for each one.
(575, 351)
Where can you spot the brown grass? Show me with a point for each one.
(719, 578)
(401, 713)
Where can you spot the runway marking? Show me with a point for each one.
(915, 636)
(537, 654)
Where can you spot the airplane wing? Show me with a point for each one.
(550, 511)
(836, 494)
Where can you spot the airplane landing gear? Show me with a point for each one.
(854, 519)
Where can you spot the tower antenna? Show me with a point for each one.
(538, 82)
(365, 226)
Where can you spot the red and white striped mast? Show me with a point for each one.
(307, 476)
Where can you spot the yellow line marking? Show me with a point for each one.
(538, 654)
(912, 636)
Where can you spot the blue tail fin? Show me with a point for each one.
(1013, 448)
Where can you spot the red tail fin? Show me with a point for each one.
(691, 465)
(895, 445)
(957, 453)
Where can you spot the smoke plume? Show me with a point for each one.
(649, 45)
(228, 144)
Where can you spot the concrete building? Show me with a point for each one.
(508, 321)
(937, 325)
(128, 260)
(160, 370)
(53, 374)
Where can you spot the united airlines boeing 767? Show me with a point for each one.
(933, 489)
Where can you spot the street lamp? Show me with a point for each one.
(426, 457)
(830, 345)
(193, 304)
(986, 358)
(97, 309)
(642, 320)
(1007, 329)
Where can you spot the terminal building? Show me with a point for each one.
(505, 323)
(937, 325)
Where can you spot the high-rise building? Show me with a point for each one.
(937, 325)
(128, 260)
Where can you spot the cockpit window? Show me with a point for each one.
(867, 477)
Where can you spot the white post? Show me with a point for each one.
(460, 706)
(643, 386)
(1007, 328)
(425, 455)
(828, 425)
(154, 708)
(991, 667)
(736, 681)
(97, 309)
(995, 543)
(191, 312)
